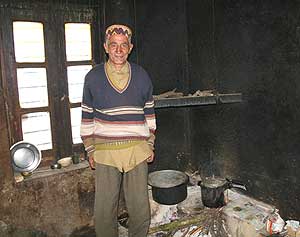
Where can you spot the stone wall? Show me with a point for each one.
(56, 205)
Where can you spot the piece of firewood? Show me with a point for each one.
(182, 223)
(207, 221)
(169, 94)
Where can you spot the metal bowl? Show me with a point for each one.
(64, 162)
(25, 157)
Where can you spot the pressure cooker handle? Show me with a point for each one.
(233, 183)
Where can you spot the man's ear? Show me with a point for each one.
(105, 47)
(130, 47)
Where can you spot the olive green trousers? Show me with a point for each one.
(108, 184)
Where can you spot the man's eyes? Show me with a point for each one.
(125, 46)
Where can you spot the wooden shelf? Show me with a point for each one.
(198, 100)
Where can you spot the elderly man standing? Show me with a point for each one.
(117, 129)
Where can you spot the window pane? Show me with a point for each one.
(36, 129)
(29, 41)
(32, 86)
(78, 41)
(76, 76)
(75, 121)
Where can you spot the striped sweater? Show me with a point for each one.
(110, 115)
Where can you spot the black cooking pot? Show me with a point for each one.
(212, 190)
(169, 187)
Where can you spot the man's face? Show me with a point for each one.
(118, 49)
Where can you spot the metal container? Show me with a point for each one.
(212, 190)
(25, 157)
(169, 187)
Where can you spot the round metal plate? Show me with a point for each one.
(167, 178)
(25, 157)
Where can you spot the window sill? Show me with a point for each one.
(46, 172)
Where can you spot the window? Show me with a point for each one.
(32, 87)
(49, 57)
(29, 47)
(36, 129)
(32, 83)
(78, 41)
(79, 61)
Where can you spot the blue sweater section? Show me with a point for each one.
(100, 96)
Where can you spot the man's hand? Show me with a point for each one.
(150, 158)
(91, 161)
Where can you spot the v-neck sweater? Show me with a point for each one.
(109, 115)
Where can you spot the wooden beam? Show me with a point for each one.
(6, 174)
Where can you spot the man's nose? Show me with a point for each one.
(119, 49)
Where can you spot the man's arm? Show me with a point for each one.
(87, 123)
(151, 120)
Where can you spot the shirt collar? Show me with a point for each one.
(123, 70)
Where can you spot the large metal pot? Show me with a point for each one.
(212, 190)
(169, 187)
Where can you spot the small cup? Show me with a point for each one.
(76, 159)
(55, 166)
(26, 174)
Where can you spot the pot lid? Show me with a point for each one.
(213, 182)
(25, 157)
(167, 178)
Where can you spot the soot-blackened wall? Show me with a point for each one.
(250, 47)
(162, 51)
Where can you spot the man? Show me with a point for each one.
(117, 129)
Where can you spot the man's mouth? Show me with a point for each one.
(119, 57)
